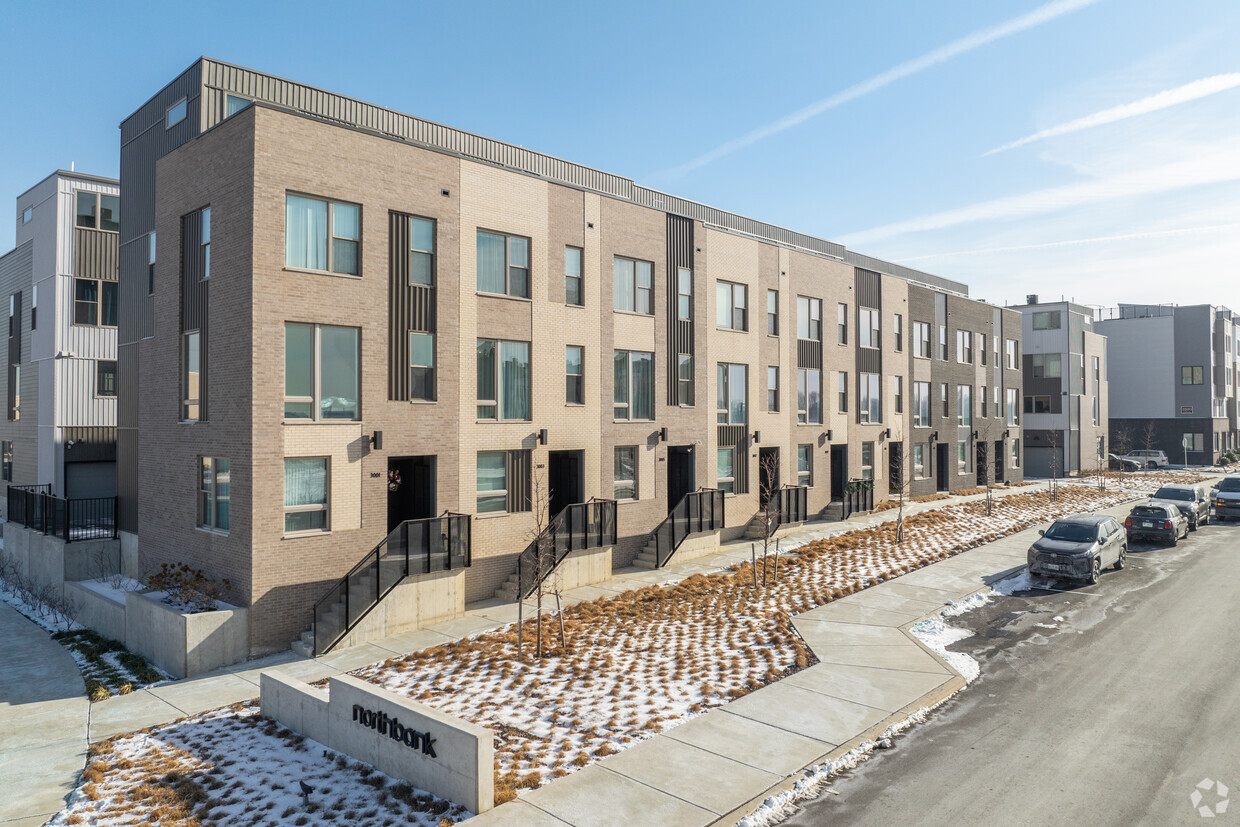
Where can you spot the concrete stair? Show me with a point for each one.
(361, 592)
(510, 591)
(647, 558)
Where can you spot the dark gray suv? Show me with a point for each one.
(1190, 499)
(1079, 547)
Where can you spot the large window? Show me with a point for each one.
(492, 482)
(868, 329)
(503, 380)
(625, 473)
(421, 251)
(919, 461)
(731, 305)
(962, 457)
(725, 470)
(1046, 365)
(634, 385)
(322, 372)
(1193, 442)
(105, 377)
(964, 404)
(964, 347)
(634, 285)
(503, 264)
(1016, 453)
(921, 404)
(34, 310)
(809, 396)
(809, 319)
(870, 407)
(1013, 356)
(422, 366)
(574, 378)
(943, 400)
(842, 391)
(322, 235)
(150, 263)
(867, 460)
(95, 302)
(772, 388)
(191, 375)
(943, 342)
(306, 495)
(1037, 404)
(805, 465)
(573, 276)
(213, 493)
(1191, 375)
(684, 293)
(1047, 320)
(772, 312)
(684, 378)
(921, 339)
(732, 394)
(1013, 416)
(841, 324)
(96, 211)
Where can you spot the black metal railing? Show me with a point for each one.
(858, 496)
(697, 511)
(787, 504)
(34, 507)
(579, 526)
(414, 547)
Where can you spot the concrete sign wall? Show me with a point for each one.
(439, 753)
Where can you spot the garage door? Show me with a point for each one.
(87, 480)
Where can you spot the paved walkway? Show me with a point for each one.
(43, 721)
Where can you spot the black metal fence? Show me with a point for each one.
(34, 507)
(697, 511)
(788, 504)
(580, 526)
(858, 496)
(414, 547)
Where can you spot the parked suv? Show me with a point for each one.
(1148, 459)
(1160, 522)
(1191, 500)
(1225, 497)
(1078, 547)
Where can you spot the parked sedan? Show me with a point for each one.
(1118, 463)
(1162, 522)
(1190, 499)
(1078, 547)
(1226, 498)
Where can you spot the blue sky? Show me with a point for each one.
(872, 124)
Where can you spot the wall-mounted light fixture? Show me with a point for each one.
(934, 437)
(542, 436)
(828, 436)
(1005, 434)
(757, 437)
(376, 440)
(663, 435)
(974, 435)
(887, 433)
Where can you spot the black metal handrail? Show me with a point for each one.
(579, 526)
(34, 507)
(787, 504)
(858, 496)
(421, 546)
(697, 511)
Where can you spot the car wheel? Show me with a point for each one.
(1095, 571)
(1123, 558)
(1151, 465)
(1175, 539)
(1192, 526)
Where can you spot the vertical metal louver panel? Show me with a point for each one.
(737, 436)
(809, 354)
(517, 468)
(194, 293)
(96, 254)
(411, 307)
(680, 331)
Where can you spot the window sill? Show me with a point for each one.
(570, 304)
(190, 421)
(422, 402)
(574, 404)
(632, 313)
(302, 535)
(504, 296)
(503, 421)
(214, 531)
(491, 515)
(308, 271)
(296, 422)
(729, 330)
(632, 421)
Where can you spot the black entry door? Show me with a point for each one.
(768, 474)
(839, 471)
(983, 461)
(411, 489)
(564, 479)
(940, 461)
(895, 467)
(680, 476)
(999, 460)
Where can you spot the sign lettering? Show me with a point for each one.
(394, 729)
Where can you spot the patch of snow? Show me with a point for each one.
(105, 588)
(1021, 582)
(938, 636)
(970, 603)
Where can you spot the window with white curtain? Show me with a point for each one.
(573, 276)
(684, 293)
(731, 306)
(322, 235)
(964, 405)
(503, 380)
(503, 264)
(921, 404)
(684, 378)
(634, 285)
(421, 251)
(422, 366)
(306, 495)
(868, 329)
(809, 319)
(809, 396)
(870, 407)
(633, 397)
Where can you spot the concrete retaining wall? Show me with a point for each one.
(184, 645)
(586, 567)
(98, 611)
(50, 561)
(417, 601)
(439, 753)
(697, 545)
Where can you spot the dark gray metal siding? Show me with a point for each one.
(92, 443)
(680, 331)
(195, 291)
(809, 354)
(411, 307)
(737, 436)
(95, 254)
(869, 291)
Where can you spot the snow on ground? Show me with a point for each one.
(233, 767)
(1020, 582)
(936, 634)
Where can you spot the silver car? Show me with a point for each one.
(1079, 547)
(1226, 498)
(1190, 499)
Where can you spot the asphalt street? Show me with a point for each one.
(1103, 704)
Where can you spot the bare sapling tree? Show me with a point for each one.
(988, 476)
(1149, 438)
(770, 515)
(542, 562)
(901, 483)
(1056, 462)
(1121, 443)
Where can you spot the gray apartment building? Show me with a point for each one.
(369, 349)
(1067, 401)
(1173, 378)
(60, 287)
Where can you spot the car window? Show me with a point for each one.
(1229, 484)
(1072, 533)
(1148, 511)
(1173, 494)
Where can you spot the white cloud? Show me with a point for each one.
(1106, 239)
(1038, 16)
(1172, 97)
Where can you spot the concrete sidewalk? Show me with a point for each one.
(717, 768)
(43, 721)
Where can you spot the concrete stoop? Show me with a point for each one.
(692, 547)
